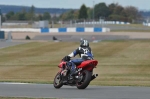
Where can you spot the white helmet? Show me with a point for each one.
(84, 43)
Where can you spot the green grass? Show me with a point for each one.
(121, 63)
(130, 28)
(142, 30)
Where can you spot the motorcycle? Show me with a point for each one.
(84, 74)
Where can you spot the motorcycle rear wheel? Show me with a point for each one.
(58, 81)
(85, 81)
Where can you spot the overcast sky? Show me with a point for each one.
(141, 4)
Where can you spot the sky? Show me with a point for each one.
(76, 4)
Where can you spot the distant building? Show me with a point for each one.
(51, 14)
(57, 15)
(41, 24)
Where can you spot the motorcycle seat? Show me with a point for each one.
(77, 61)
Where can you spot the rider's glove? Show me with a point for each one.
(66, 58)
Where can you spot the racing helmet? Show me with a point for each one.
(84, 43)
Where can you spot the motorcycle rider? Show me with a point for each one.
(84, 52)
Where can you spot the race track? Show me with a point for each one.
(4, 44)
(92, 92)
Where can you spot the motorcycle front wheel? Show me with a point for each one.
(58, 81)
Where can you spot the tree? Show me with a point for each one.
(72, 14)
(112, 7)
(24, 13)
(46, 16)
(117, 13)
(132, 13)
(31, 14)
(9, 15)
(3, 18)
(76, 14)
(83, 12)
(63, 16)
(118, 10)
(101, 10)
(21, 16)
(90, 13)
(40, 17)
(115, 17)
(55, 18)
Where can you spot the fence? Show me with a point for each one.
(86, 23)
(146, 24)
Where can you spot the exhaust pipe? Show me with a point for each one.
(93, 76)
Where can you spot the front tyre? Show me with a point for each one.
(58, 81)
(84, 79)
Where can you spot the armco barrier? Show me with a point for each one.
(71, 29)
(62, 29)
(80, 29)
(53, 30)
(44, 30)
(97, 29)
(58, 30)
(89, 30)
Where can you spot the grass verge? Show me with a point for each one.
(121, 63)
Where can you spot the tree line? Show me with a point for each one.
(26, 15)
(111, 12)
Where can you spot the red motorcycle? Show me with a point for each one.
(82, 78)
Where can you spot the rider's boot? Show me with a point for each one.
(75, 72)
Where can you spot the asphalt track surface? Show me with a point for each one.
(93, 36)
(4, 44)
(76, 38)
(68, 92)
